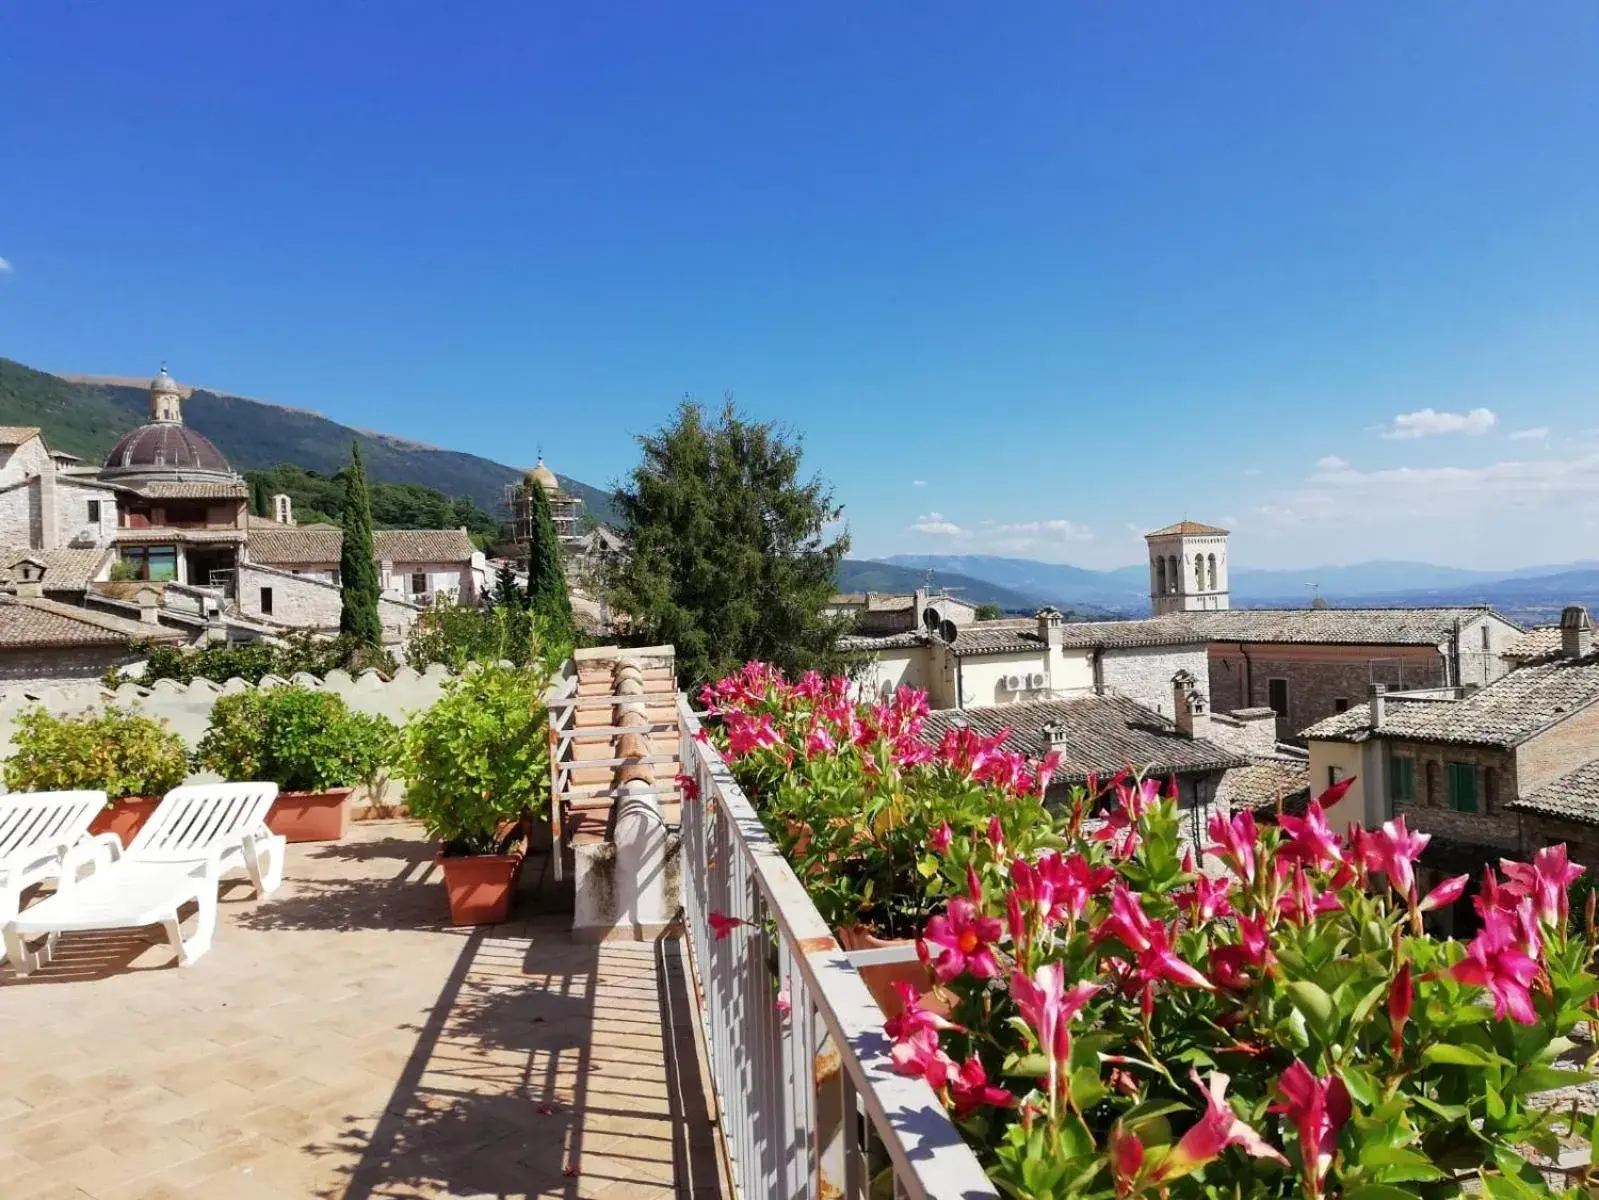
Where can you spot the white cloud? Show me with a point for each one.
(934, 523)
(1537, 434)
(1429, 421)
(4, 266)
(918, 483)
(1332, 462)
(1060, 529)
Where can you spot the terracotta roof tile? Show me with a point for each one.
(65, 570)
(15, 435)
(176, 489)
(306, 545)
(1574, 797)
(1102, 734)
(1186, 529)
(30, 622)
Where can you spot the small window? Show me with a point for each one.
(94, 512)
(1485, 644)
(1335, 776)
(1341, 704)
(1462, 787)
(266, 601)
(1277, 697)
(419, 583)
(1402, 779)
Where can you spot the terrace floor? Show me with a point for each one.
(341, 1041)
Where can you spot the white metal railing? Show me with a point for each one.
(809, 1105)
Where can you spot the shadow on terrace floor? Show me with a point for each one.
(546, 1068)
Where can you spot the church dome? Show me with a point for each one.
(165, 448)
(163, 382)
(544, 477)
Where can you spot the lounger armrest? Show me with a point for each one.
(87, 856)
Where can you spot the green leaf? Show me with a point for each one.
(1315, 1004)
(1540, 1079)
(1378, 1191)
(1460, 1056)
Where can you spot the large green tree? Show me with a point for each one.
(731, 554)
(546, 576)
(358, 568)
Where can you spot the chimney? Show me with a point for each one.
(1189, 706)
(1377, 698)
(1049, 627)
(1576, 631)
(1054, 737)
(149, 601)
(283, 509)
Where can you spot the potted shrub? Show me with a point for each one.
(874, 821)
(476, 765)
(307, 742)
(135, 759)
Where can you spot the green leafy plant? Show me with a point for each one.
(358, 569)
(477, 762)
(123, 571)
(455, 635)
(253, 661)
(120, 750)
(302, 740)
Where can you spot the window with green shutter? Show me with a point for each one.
(1402, 780)
(1463, 787)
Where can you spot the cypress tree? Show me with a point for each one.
(546, 577)
(358, 568)
(260, 502)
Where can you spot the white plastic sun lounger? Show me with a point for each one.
(37, 832)
(197, 834)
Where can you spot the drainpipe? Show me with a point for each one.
(1099, 670)
(1249, 677)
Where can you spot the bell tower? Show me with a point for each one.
(1187, 568)
(166, 405)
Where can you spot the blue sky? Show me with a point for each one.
(1028, 279)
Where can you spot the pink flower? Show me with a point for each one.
(1046, 770)
(1054, 886)
(1149, 940)
(1446, 893)
(1206, 899)
(1545, 880)
(996, 836)
(1126, 1158)
(1494, 961)
(1302, 903)
(1393, 850)
(1310, 838)
(746, 734)
(1234, 841)
(914, 1017)
(785, 1004)
(970, 1090)
(1215, 1131)
(723, 925)
(941, 838)
(1229, 964)
(689, 787)
(1401, 998)
(1319, 1108)
(819, 742)
(1048, 1008)
(963, 938)
(919, 1055)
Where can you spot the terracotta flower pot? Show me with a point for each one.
(880, 980)
(310, 816)
(125, 817)
(480, 886)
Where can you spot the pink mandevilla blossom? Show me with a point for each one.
(1494, 961)
(1302, 902)
(1393, 850)
(913, 1016)
(1234, 840)
(941, 837)
(1126, 1159)
(689, 787)
(1048, 1006)
(919, 1055)
(1149, 940)
(1445, 894)
(963, 937)
(819, 742)
(1310, 838)
(1545, 880)
(1319, 1108)
(1401, 998)
(1214, 1132)
(722, 925)
(970, 1090)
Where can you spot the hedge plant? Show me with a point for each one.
(300, 739)
(477, 762)
(120, 751)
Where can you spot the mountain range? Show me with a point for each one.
(85, 416)
(1532, 595)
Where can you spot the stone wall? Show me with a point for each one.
(1492, 825)
(306, 602)
(18, 505)
(1250, 731)
(1144, 673)
(73, 527)
(1318, 677)
(1558, 750)
(38, 669)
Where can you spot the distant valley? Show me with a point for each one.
(1532, 595)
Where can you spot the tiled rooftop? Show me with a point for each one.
(1264, 783)
(1103, 734)
(33, 622)
(1574, 797)
(1505, 713)
(305, 545)
(1538, 642)
(340, 1041)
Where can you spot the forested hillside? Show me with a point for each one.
(85, 418)
(319, 497)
